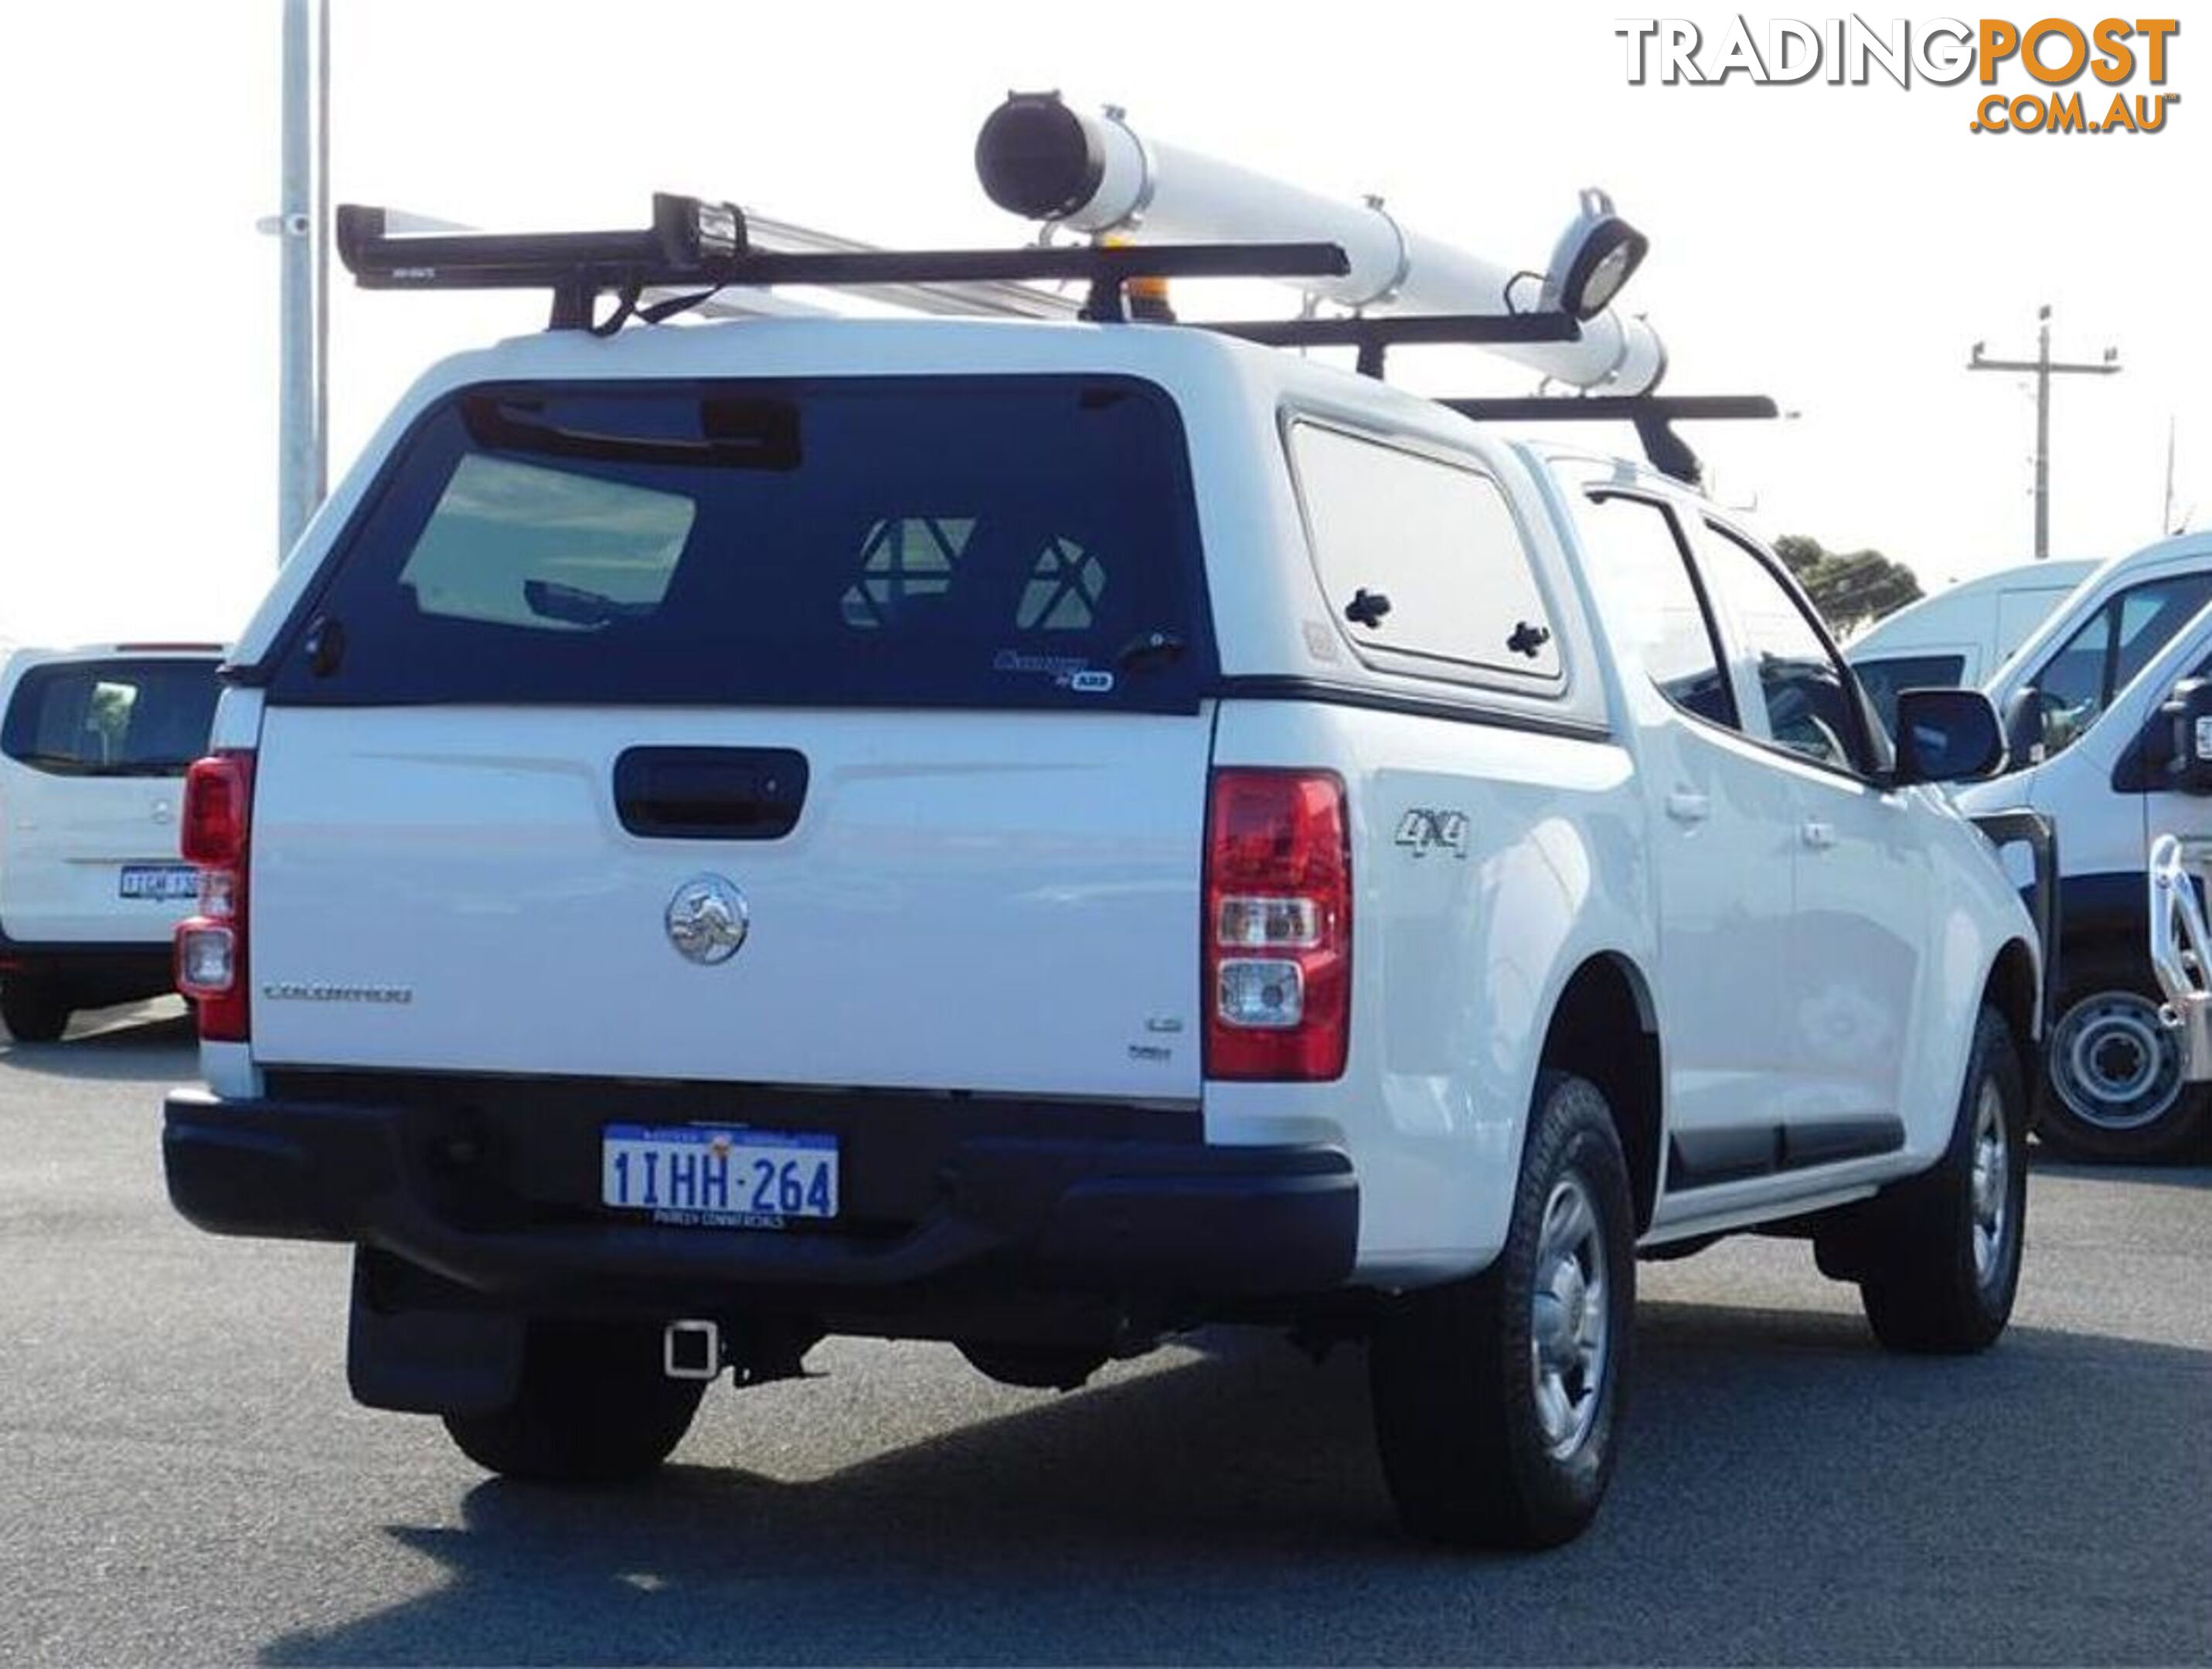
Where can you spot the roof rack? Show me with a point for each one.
(1653, 415)
(694, 249)
(694, 243)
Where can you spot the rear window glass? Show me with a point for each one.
(1421, 558)
(114, 717)
(988, 541)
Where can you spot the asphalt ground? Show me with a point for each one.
(183, 1478)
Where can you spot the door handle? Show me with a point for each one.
(710, 793)
(1686, 805)
(1818, 835)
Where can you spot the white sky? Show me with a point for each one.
(1839, 247)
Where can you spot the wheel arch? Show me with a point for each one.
(1605, 1027)
(2012, 989)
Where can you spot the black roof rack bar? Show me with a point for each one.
(1373, 336)
(1615, 408)
(1654, 416)
(694, 244)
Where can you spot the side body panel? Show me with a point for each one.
(1887, 947)
(1460, 954)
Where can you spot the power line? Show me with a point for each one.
(2045, 368)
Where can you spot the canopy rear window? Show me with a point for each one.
(1002, 542)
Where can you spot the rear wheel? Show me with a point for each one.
(33, 1010)
(2114, 1087)
(1943, 1250)
(594, 1406)
(1496, 1397)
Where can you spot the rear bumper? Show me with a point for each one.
(502, 1199)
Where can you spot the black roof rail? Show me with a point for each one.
(1373, 336)
(703, 245)
(1653, 415)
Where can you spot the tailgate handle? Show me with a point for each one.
(710, 793)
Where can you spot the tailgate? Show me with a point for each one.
(986, 901)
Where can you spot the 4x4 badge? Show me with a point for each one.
(708, 920)
(1424, 830)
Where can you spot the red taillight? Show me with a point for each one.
(217, 792)
(1277, 944)
(211, 953)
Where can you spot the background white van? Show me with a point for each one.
(2109, 628)
(94, 747)
(2114, 1088)
(1957, 638)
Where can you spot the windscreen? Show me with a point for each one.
(1007, 541)
(111, 718)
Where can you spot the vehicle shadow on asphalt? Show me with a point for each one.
(1787, 1492)
(113, 1045)
(2193, 1171)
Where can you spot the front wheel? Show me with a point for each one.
(1943, 1262)
(594, 1406)
(1498, 1398)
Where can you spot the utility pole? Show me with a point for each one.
(302, 225)
(2044, 369)
(2165, 527)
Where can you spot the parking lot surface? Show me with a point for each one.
(183, 1478)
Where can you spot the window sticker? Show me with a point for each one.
(902, 558)
(1070, 672)
(1066, 583)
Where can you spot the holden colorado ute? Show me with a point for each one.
(1048, 834)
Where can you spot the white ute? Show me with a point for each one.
(1048, 835)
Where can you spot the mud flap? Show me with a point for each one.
(429, 1360)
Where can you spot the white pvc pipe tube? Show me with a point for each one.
(1096, 174)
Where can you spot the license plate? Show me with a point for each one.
(158, 881)
(714, 1178)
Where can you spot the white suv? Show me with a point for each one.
(94, 746)
(1046, 836)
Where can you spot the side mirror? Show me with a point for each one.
(1950, 736)
(2188, 713)
(2023, 726)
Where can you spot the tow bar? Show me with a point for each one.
(691, 1349)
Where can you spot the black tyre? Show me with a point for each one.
(1498, 1398)
(33, 1011)
(2112, 1085)
(1942, 1253)
(594, 1407)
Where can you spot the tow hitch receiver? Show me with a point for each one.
(691, 1349)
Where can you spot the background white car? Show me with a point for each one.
(94, 745)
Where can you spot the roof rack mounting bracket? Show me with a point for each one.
(1653, 415)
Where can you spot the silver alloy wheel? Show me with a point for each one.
(1569, 1318)
(1992, 1192)
(2111, 1062)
